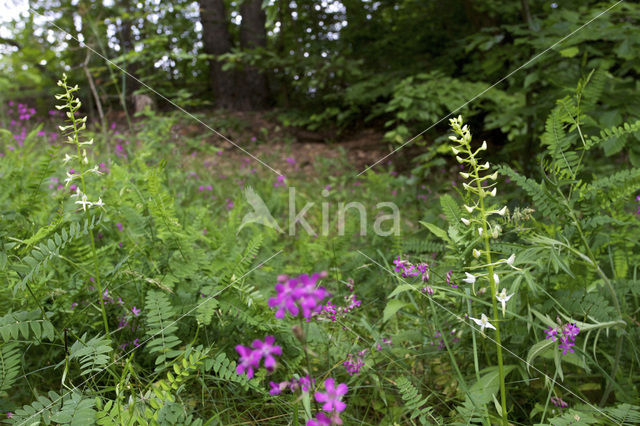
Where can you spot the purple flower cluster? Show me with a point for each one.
(250, 358)
(108, 300)
(440, 340)
(449, 281)
(567, 335)
(559, 402)
(332, 312)
(407, 269)
(354, 363)
(135, 342)
(305, 383)
(331, 403)
(638, 200)
(120, 151)
(298, 294)
(19, 117)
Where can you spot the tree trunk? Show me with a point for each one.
(254, 90)
(217, 41)
(127, 45)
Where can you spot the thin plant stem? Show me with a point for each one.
(308, 362)
(75, 141)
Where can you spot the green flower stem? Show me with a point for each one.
(494, 302)
(464, 141)
(75, 141)
(461, 380)
(303, 329)
(546, 403)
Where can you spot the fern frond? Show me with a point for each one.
(591, 89)
(162, 208)
(71, 409)
(9, 366)
(544, 201)
(93, 354)
(44, 170)
(624, 414)
(225, 369)
(40, 256)
(613, 138)
(415, 404)
(29, 324)
(420, 246)
(161, 328)
(564, 161)
(610, 189)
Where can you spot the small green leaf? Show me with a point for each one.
(537, 350)
(392, 307)
(400, 289)
(438, 232)
(569, 52)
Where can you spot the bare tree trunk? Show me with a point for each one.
(526, 13)
(217, 41)
(255, 90)
(126, 42)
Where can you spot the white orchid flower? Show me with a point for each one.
(84, 202)
(67, 158)
(465, 221)
(510, 261)
(95, 170)
(503, 298)
(99, 203)
(69, 178)
(469, 278)
(483, 322)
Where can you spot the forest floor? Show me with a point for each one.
(287, 149)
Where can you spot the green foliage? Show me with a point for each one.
(9, 366)
(133, 316)
(41, 255)
(26, 325)
(68, 408)
(161, 328)
(93, 354)
(415, 404)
